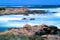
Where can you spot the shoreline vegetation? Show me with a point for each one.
(23, 10)
(28, 32)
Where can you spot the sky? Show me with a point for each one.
(29, 2)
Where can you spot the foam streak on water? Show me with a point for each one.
(16, 20)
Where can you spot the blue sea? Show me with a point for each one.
(50, 18)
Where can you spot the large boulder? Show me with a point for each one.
(53, 29)
(47, 30)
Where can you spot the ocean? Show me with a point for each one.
(8, 21)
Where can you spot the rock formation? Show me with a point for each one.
(32, 30)
(23, 10)
(48, 30)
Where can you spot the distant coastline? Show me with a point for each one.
(23, 10)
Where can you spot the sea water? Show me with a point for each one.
(8, 21)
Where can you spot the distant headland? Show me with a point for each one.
(23, 10)
(7, 10)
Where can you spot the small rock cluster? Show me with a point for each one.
(29, 19)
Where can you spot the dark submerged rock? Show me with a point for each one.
(32, 18)
(23, 18)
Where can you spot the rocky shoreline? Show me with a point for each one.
(30, 30)
(24, 10)
(33, 32)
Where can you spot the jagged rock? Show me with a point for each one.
(27, 25)
(47, 30)
(53, 29)
(32, 30)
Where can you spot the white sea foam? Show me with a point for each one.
(49, 19)
(57, 14)
(6, 19)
